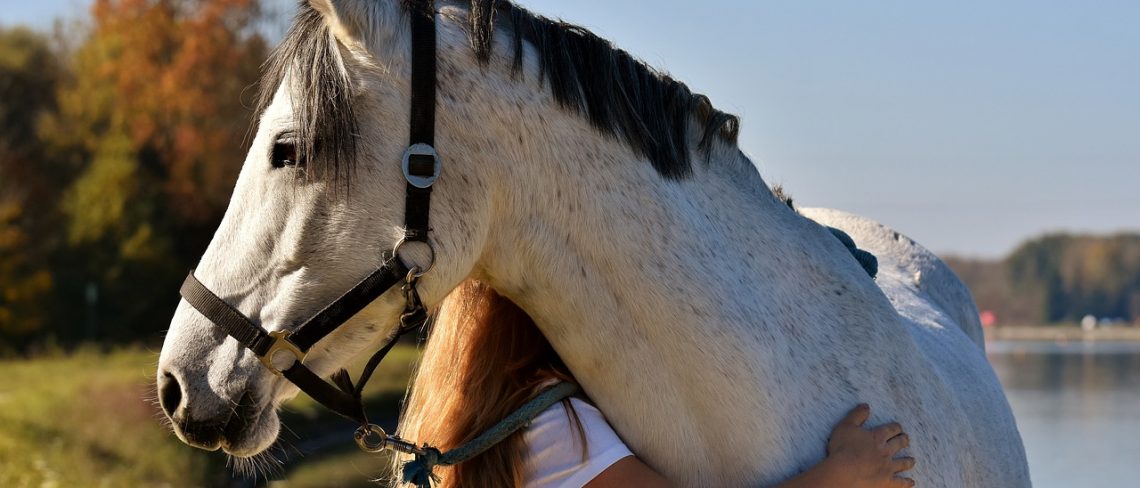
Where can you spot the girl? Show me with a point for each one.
(485, 357)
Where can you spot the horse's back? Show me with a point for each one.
(943, 322)
(908, 271)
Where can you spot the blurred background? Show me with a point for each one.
(1005, 136)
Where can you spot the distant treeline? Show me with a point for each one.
(121, 135)
(1059, 278)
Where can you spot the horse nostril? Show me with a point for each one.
(169, 394)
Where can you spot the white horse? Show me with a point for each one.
(722, 332)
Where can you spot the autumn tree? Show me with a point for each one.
(151, 124)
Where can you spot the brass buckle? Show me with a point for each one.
(281, 342)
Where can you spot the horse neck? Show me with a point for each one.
(644, 285)
(617, 264)
(669, 300)
(595, 244)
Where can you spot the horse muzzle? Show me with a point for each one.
(210, 422)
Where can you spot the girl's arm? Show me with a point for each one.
(856, 458)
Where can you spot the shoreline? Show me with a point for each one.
(1062, 333)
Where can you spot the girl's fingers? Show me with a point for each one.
(887, 431)
(902, 464)
(858, 415)
(898, 443)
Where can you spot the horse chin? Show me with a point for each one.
(251, 429)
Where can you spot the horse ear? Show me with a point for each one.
(356, 20)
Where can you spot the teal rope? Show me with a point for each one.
(867, 260)
(419, 470)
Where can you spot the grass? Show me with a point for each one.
(86, 419)
(347, 469)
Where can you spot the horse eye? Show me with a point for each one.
(285, 154)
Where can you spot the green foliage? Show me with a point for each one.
(95, 203)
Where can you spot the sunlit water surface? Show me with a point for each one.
(1078, 408)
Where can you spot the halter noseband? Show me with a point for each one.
(421, 167)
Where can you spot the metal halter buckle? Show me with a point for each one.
(281, 343)
(421, 180)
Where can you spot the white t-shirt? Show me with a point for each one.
(554, 453)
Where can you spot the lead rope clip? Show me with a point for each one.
(415, 315)
(371, 438)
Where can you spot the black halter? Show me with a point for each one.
(421, 167)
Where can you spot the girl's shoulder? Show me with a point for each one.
(559, 455)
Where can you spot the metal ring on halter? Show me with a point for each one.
(431, 248)
(364, 438)
(420, 179)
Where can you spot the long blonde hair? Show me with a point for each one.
(483, 359)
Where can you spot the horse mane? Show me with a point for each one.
(620, 95)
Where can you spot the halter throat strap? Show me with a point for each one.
(421, 167)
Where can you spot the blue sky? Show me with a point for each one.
(968, 125)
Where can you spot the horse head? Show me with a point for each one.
(551, 163)
(319, 199)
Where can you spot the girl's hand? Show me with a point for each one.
(866, 458)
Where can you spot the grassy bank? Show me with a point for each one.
(88, 419)
(1061, 333)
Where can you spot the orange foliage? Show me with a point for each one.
(177, 70)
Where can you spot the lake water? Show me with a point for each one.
(1078, 408)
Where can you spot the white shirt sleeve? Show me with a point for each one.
(554, 449)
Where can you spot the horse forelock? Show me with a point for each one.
(324, 120)
(619, 94)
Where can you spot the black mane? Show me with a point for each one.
(619, 94)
